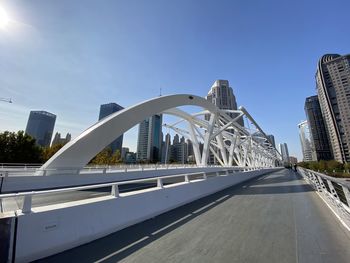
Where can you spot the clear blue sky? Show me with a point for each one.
(68, 57)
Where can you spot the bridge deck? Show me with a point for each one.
(277, 218)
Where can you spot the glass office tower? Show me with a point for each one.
(40, 126)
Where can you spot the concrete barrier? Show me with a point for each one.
(53, 229)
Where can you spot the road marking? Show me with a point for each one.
(221, 198)
(173, 223)
(204, 207)
(123, 249)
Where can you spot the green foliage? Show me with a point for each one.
(322, 166)
(106, 157)
(48, 152)
(347, 166)
(313, 166)
(332, 167)
(305, 165)
(116, 157)
(19, 148)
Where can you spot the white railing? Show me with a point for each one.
(185, 178)
(6, 171)
(335, 192)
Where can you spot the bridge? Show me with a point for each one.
(246, 209)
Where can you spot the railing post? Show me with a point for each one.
(346, 193)
(115, 190)
(205, 177)
(333, 192)
(27, 204)
(160, 183)
(187, 179)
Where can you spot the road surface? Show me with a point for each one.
(277, 218)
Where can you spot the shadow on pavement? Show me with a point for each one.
(282, 182)
(119, 245)
(123, 243)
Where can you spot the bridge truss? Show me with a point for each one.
(219, 131)
(225, 139)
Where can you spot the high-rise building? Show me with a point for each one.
(272, 139)
(150, 139)
(305, 140)
(318, 130)
(40, 126)
(125, 150)
(130, 157)
(106, 110)
(178, 151)
(284, 153)
(59, 140)
(221, 94)
(333, 86)
(166, 149)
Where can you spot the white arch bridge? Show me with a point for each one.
(44, 215)
(219, 131)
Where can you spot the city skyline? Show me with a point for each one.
(63, 62)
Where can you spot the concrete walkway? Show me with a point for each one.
(277, 218)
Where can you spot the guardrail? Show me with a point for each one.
(186, 178)
(335, 192)
(6, 171)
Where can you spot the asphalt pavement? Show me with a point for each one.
(277, 218)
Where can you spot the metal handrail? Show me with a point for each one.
(335, 189)
(27, 204)
(100, 169)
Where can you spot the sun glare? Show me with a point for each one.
(4, 19)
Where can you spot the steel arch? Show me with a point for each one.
(77, 153)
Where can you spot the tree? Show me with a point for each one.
(116, 158)
(322, 166)
(347, 167)
(314, 166)
(103, 157)
(334, 166)
(19, 148)
(48, 152)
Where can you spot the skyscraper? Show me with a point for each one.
(306, 144)
(150, 139)
(40, 126)
(59, 140)
(284, 153)
(179, 152)
(333, 86)
(221, 94)
(318, 130)
(166, 149)
(272, 139)
(108, 109)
